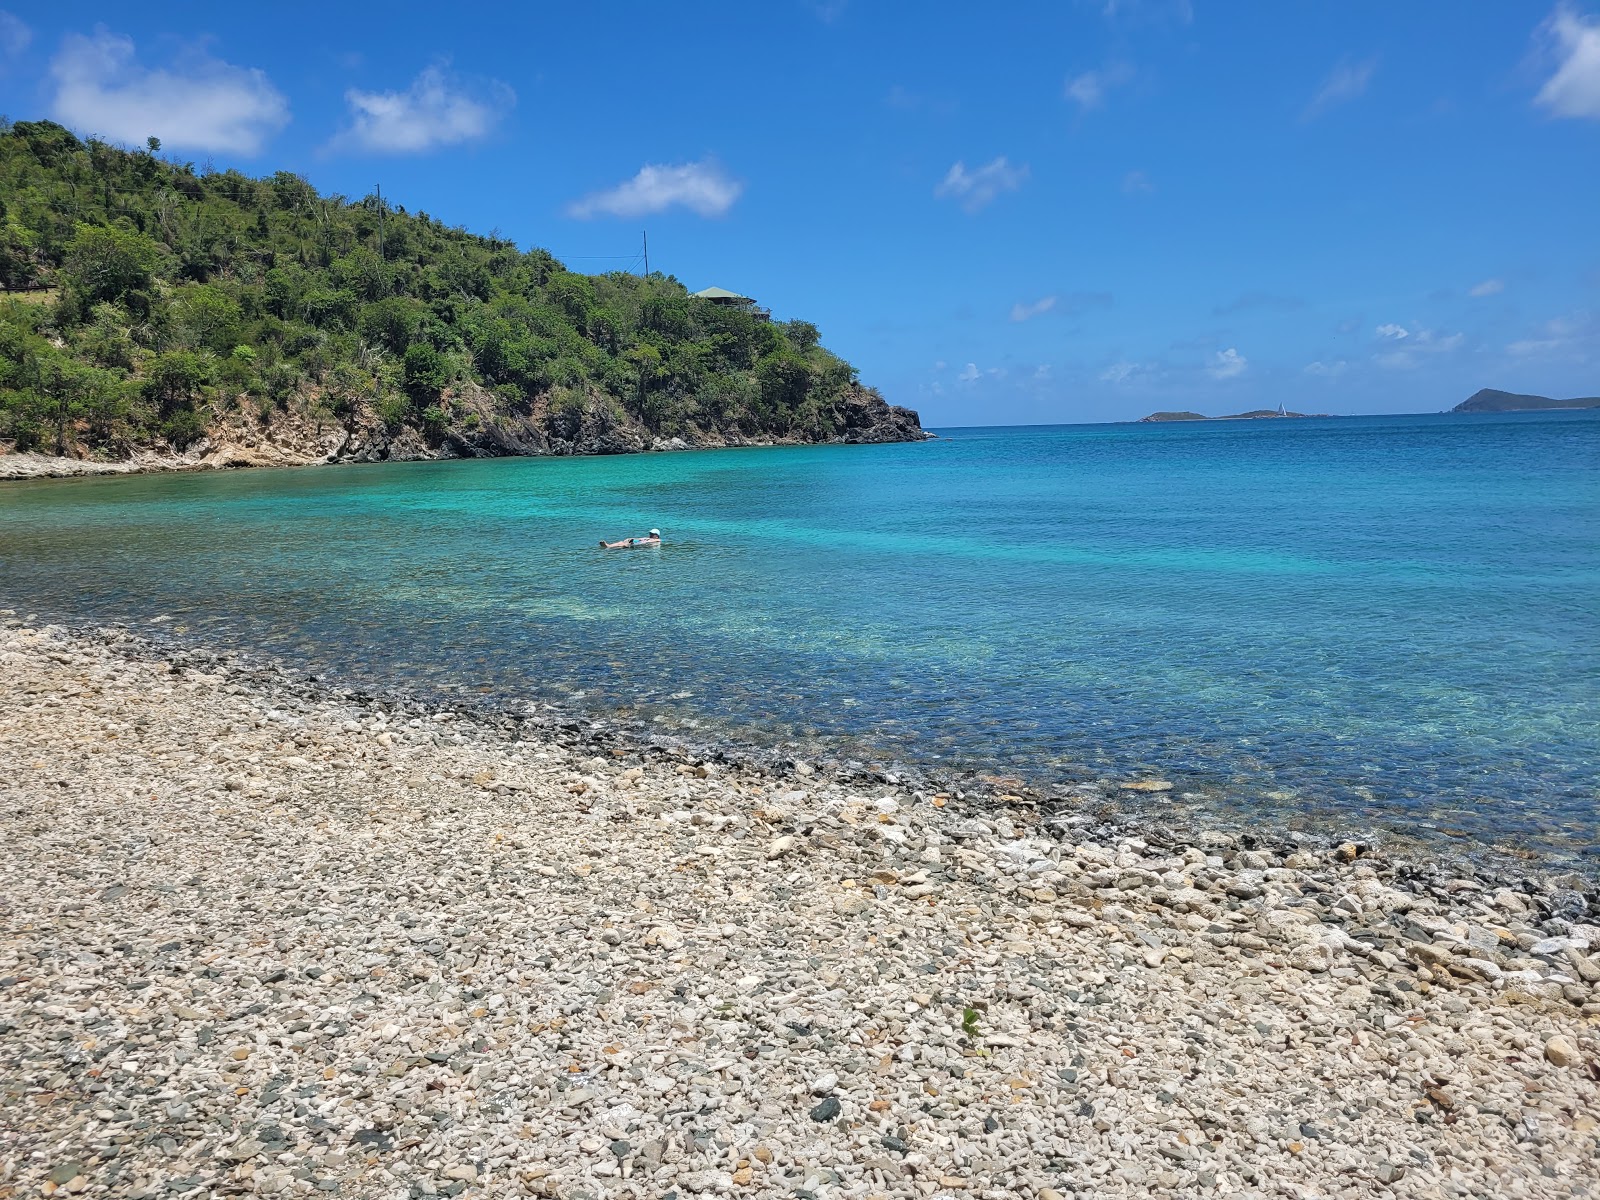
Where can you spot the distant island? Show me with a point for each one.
(1492, 400)
(1254, 415)
(154, 315)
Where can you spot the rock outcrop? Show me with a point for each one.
(476, 430)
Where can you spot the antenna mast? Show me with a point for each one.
(379, 187)
(646, 236)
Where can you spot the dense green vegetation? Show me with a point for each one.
(148, 300)
(1494, 400)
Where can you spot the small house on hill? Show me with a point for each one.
(729, 299)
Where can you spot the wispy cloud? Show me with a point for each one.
(969, 373)
(436, 110)
(1572, 40)
(1410, 346)
(1345, 82)
(1067, 304)
(1259, 301)
(1327, 370)
(1227, 364)
(1489, 287)
(1575, 335)
(1089, 89)
(703, 188)
(200, 103)
(976, 189)
(1124, 371)
(1137, 183)
(15, 36)
(1026, 312)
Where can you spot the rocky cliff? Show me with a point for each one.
(477, 430)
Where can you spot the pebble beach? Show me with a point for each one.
(258, 937)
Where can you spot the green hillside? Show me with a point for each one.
(1494, 400)
(149, 305)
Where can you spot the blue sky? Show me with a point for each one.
(1047, 212)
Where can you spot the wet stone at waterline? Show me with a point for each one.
(1055, 605)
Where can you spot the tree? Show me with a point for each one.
(104, 262)
(426, 373)
(174, 380)
(80, 392)
(210, 317)
(802, 335)
(784, 379)
(18, 264)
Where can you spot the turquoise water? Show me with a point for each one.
(1380, 622)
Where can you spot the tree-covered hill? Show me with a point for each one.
(151, 306)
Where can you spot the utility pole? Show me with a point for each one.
(379, 188)
(646, 236)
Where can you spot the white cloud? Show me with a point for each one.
(1328, 370)
(1227, 364)
(1418, 343)
(1578, 334)
(1137, 183)
(1573, 40)
(969, 373)
(973, 190)
(1026, 312)
(940, 365)
(1089, 89)
(1121, 372)
(434, 111)
(702, 187)
(14, 35)
(199, 104)
(1488, 287)
(1346, 81)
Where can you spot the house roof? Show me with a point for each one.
(716, 293)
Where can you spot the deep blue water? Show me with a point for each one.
(1380, 622)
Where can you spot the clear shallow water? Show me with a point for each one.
(1377, 622)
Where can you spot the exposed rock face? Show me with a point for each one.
(476, 430)
(869, 419)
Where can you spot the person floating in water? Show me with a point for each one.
(653, 538)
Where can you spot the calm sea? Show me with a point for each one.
(1386, 622)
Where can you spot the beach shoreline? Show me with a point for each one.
(333, 450)
(1098, 803)
(264, 936)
